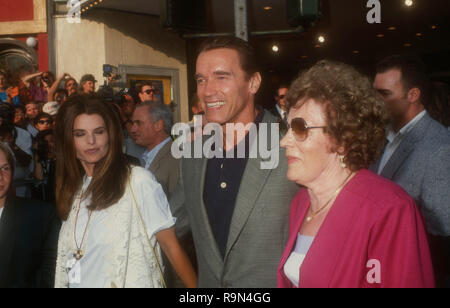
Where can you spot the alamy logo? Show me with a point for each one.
(263, 142)
(374, 15)
(374, 274)
(74, 13)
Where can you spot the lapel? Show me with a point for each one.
(163, 152)
(7, 239)
(297, 218)
(406, 147)
(252, 184)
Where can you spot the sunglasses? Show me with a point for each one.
(301, 129)
(281, 96)
(42, 122)
(150, 91)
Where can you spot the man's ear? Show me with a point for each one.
(255, 83)
(414, 95)
(159, 125)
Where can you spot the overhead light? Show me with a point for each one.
(356, 52)
(321, 39)
(409, 2)
(267, 8)
(419, 34)
(434, 27)
(381, 35)
(275, 48)
(32, 42)
(304, 57)
(407, 45)
(392, 28)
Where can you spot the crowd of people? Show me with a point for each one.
(91, 196)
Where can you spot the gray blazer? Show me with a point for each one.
(259, 227)
(165, 169)
(421, 165)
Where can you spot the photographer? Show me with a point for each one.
(39, 85)
(87, 84)
(20, 143)
(45, 163)
(54, 89)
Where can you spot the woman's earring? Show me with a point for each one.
(343, 164)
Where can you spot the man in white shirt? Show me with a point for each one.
(417, 153)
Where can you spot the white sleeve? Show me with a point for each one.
(152, 201)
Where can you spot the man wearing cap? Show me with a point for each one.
(88, 84)
(51, 108)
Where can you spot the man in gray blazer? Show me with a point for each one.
(417, 154)
(238, 211)
(152, 122)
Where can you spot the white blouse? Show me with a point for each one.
(296, 258)
(111, 234)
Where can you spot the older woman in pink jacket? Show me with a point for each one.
(348, 226)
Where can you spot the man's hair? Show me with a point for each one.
(61, 91)
(159, 111)
(245, 50)
(195, 100)
(413, 70)
(40, 116)
(31, 102)
(71, 79)
(281, 86)
(139, 86)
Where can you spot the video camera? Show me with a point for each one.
(111, 72)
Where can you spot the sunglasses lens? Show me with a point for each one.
(299, 128)
(282, 96)
(150, 91)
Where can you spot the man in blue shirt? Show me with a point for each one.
(152, 123)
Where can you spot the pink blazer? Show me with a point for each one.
(373, 236)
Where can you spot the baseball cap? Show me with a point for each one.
(51, 108)
(87, 77)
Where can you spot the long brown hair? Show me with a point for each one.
(110, 173)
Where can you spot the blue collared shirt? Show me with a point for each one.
(150, 155)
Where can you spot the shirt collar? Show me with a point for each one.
(280, 111)
(151, 154)
(391, 134)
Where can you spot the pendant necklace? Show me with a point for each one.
(79, 253)
(314, 214)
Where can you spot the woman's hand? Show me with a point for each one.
(177, 257)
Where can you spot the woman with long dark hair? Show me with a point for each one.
(115, 216)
